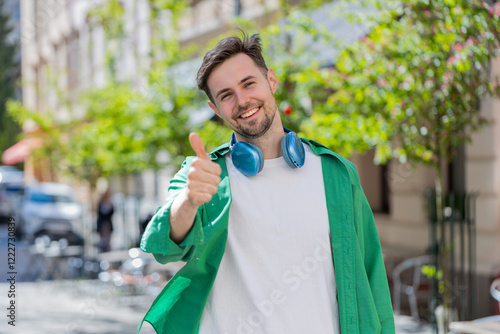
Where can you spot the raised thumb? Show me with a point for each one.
(198, 146)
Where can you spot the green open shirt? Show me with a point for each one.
(362, 289)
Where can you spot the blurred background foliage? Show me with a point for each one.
(409, 88)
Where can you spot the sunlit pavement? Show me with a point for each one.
(66, 306)
(406, 325)
(86, 306)
(91, 306)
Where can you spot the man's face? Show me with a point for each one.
(243, 96)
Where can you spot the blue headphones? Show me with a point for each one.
(249, 160)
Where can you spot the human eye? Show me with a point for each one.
(225, 96)
(250, 83)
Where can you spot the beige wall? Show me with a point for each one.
(404, 228)
(483, 176)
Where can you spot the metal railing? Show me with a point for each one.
(453, 249)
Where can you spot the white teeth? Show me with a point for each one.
(249, 113)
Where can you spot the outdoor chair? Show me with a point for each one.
(408, 279)
(495, 290)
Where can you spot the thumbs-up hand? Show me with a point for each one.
(203, 175)
(198, 146)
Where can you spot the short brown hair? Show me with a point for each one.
(225, 49)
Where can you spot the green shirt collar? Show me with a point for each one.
(316, 147)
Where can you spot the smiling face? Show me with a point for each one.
(243, 96)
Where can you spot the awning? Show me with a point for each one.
(18, 152)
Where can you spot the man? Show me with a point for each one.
(276, 232)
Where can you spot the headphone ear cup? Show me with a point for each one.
(247, 158)
(293, 150)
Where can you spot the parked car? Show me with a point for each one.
(11, 187)
(50, 209)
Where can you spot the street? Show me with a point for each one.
(83, 306)
(86, 306)
(64, 306)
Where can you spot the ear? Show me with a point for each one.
(214, 108)
(271, 77)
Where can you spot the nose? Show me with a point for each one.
(242, 99)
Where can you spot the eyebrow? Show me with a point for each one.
(223, 90)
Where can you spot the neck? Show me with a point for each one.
(270, 142)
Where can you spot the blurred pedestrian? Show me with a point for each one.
(275, 229)
(105, 212)
(143, 223)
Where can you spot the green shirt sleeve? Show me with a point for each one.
(156, 238)
(372, 259)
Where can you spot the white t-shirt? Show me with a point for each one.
(276, 275)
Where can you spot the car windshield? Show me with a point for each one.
(48, 198)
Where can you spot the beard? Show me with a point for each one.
(253, 129)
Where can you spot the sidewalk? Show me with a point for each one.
(65, 307)
(406, 325)
(93, 307)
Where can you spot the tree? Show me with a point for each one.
(125, 125)
(415, 81)
(9, 73)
